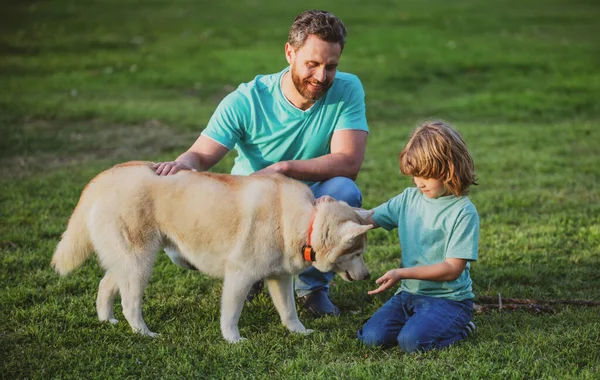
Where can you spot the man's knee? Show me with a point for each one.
(340, 188)
(371, 336)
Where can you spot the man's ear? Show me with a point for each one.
(290, 53)
(363, 214)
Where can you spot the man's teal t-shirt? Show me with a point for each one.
(431, 230)
(265, 128)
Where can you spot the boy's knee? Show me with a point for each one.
(413, 342)
(342, 189)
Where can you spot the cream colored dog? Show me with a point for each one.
(240, 228)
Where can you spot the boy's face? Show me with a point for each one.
(432, 188)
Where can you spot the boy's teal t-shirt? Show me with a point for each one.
(265, 128)
(431, 230)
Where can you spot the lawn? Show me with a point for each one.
(85, 85)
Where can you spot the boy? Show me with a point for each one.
(438, 229)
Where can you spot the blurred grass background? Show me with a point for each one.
(85, 85)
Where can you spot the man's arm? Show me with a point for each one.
(346, 157)
(203, 155)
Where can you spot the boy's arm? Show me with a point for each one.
(448, 270)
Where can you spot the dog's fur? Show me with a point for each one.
(241, 228)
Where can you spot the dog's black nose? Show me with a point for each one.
(367, 276)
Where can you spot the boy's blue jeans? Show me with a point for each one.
(342, 189)
(417, 323)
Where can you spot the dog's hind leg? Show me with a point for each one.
(107, 291)
(282, 293)
(235, 289)
(127, 249)
(132, 280)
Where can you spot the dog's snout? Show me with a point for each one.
(361, 276)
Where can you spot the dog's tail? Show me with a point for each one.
(75, 246)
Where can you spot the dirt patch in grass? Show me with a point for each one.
(38, 147)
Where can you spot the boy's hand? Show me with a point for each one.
(366, 216)
(389, 279)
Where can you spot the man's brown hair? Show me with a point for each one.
(322, 24)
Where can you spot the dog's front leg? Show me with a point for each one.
(282, 293)
(235, 288)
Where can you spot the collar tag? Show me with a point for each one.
(308, 252)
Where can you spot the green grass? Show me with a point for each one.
(85, 85)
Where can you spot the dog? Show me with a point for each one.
(239, 228)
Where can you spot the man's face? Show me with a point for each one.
(313, 66)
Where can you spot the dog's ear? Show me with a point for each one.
(363, 214)
(349, 230)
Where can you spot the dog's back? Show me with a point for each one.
(205, 217)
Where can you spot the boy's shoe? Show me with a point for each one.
(470, 328)
(319, 304)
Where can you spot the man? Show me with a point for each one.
(307, 122)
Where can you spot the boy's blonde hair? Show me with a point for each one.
(436, 150)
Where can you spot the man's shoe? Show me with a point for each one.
(319, 304)
(255, 290)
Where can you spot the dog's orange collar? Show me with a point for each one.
(307, 250)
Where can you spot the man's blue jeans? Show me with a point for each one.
(342, 189)
(417, 323)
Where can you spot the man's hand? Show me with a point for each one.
(278, 167)
(171, 167)
(389, 279)
(203, 155)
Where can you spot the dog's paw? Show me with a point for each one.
(112, 320)
(296, 326)
(150, 334)
(305, 332)
(146, 332)
(234, 340)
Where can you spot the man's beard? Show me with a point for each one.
(304, 88)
